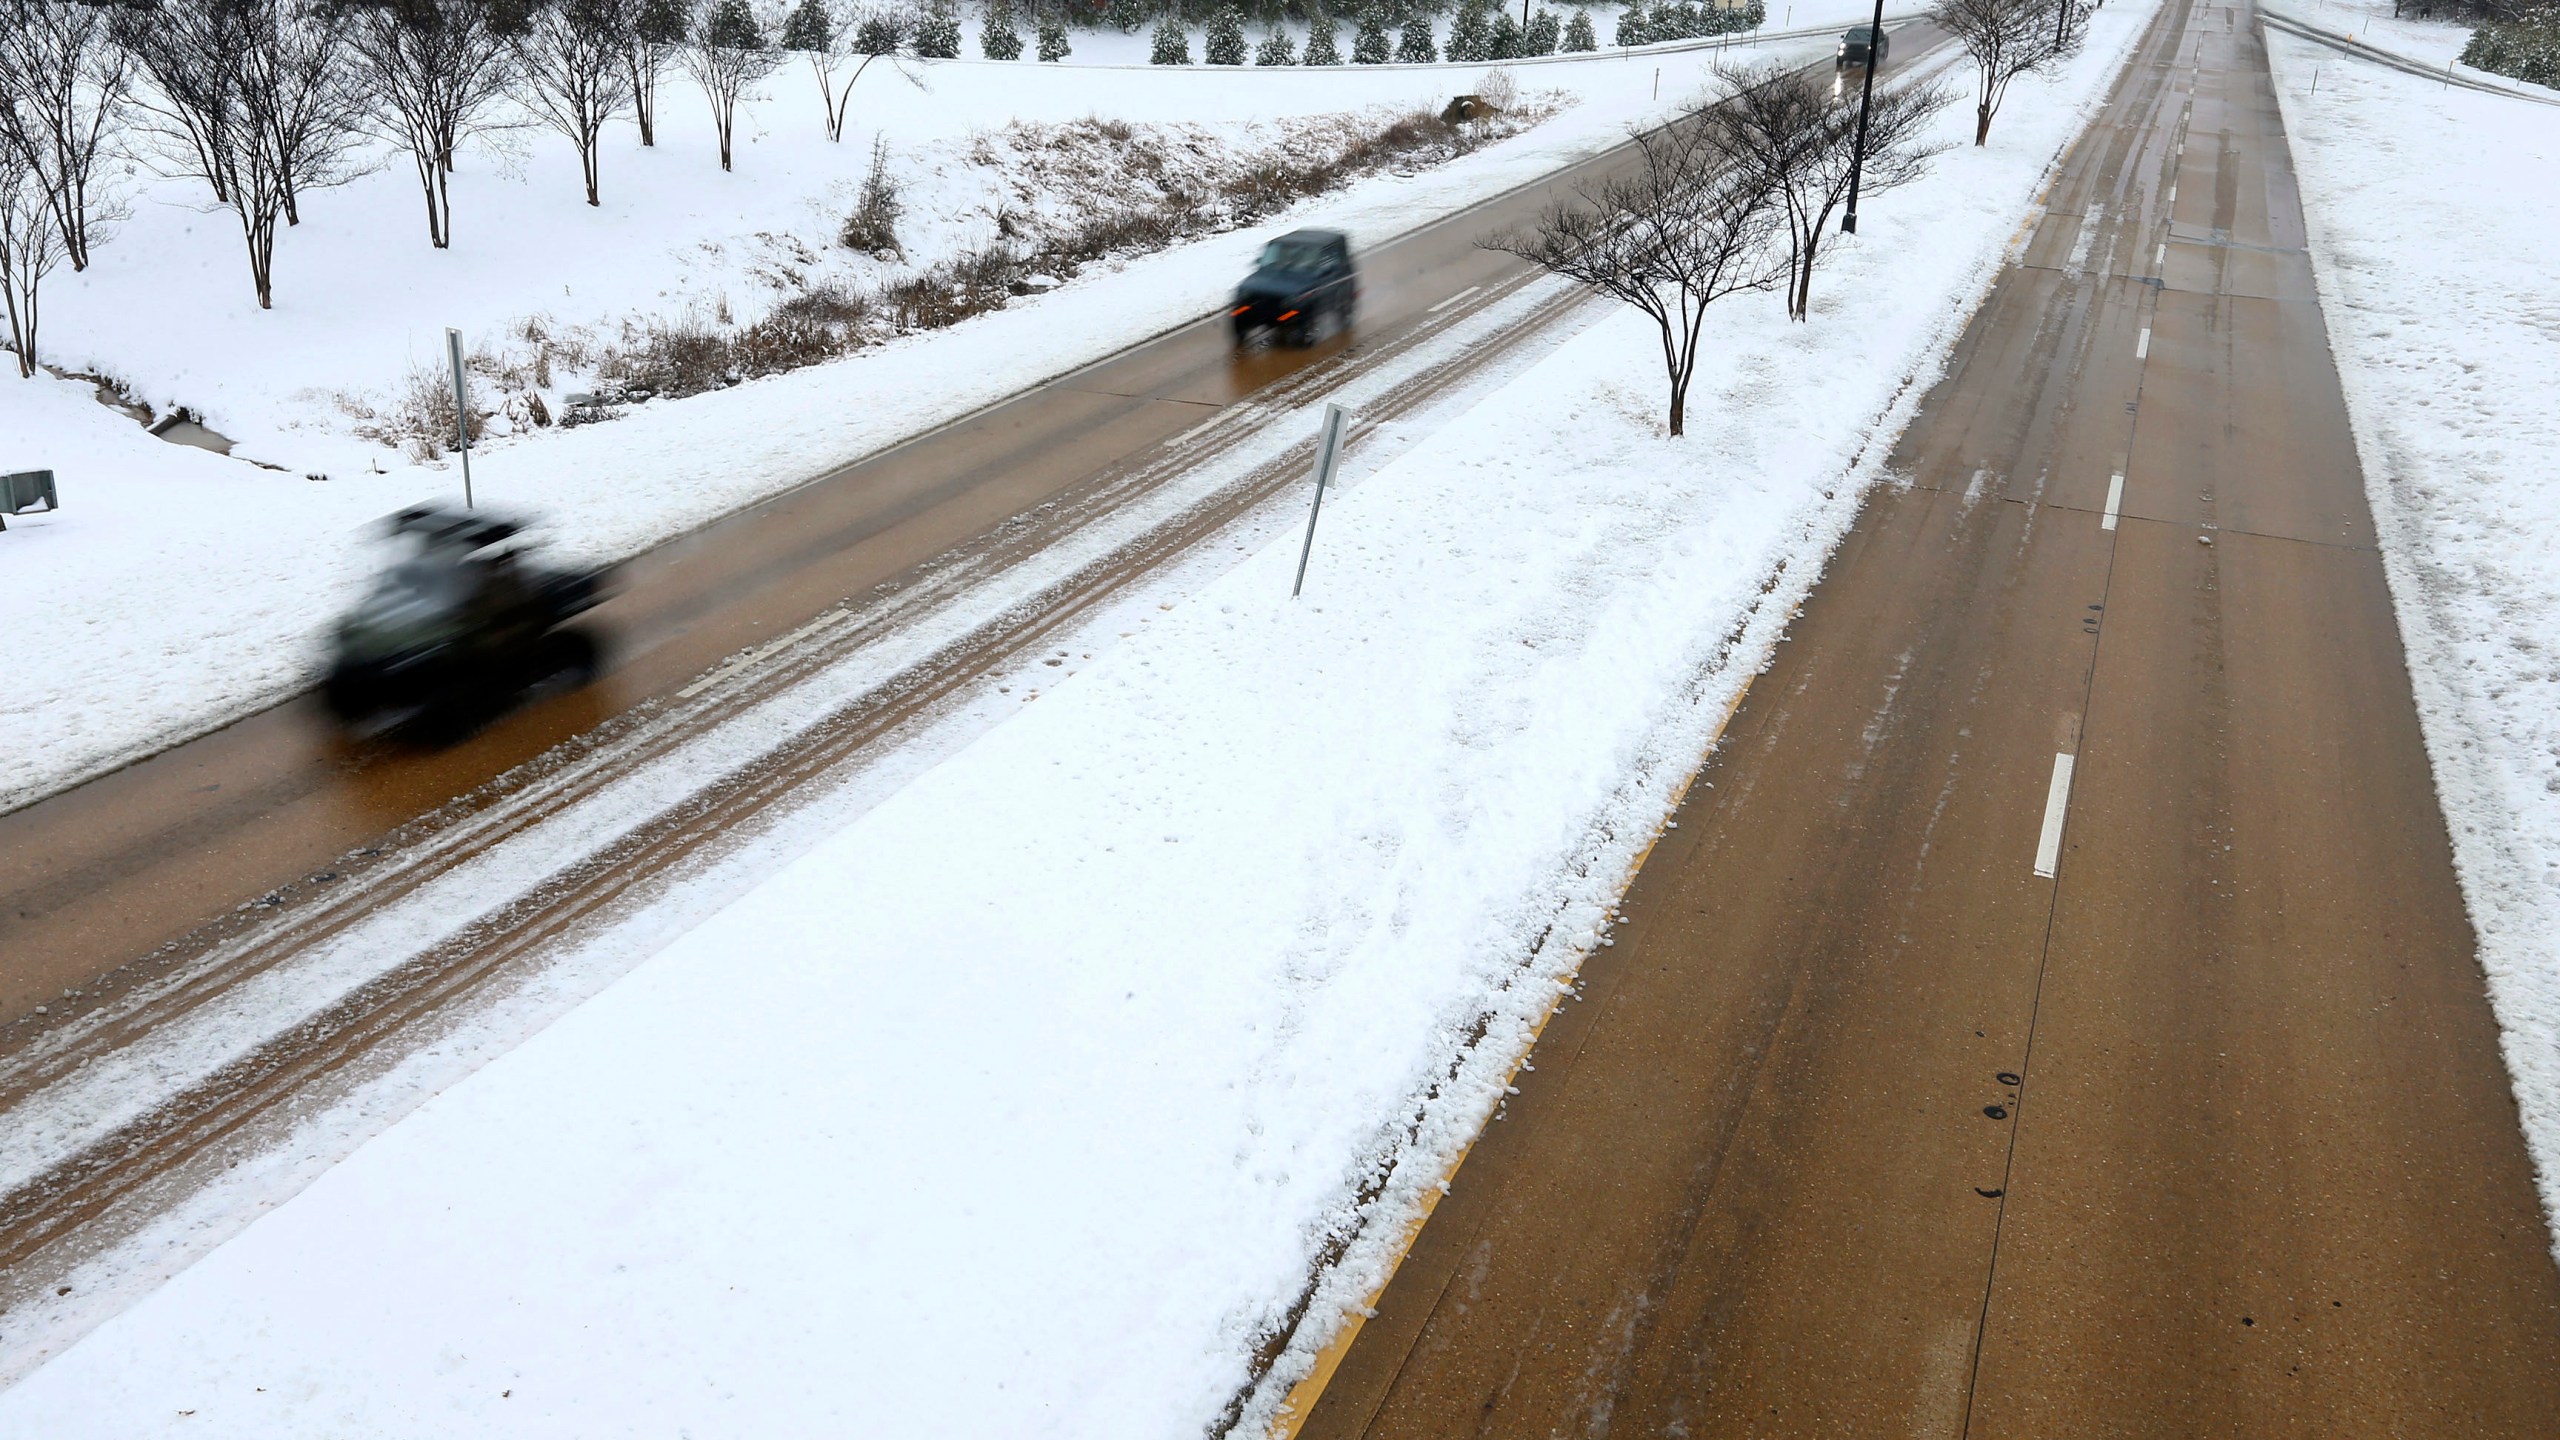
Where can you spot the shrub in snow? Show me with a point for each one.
(658, 30)
(1321, 47)
(1580, 38)
(1053, 38)
(1416, 46)
(938, 33)
(1276, 49)
(1544, 31)
(1370, 46)
(1172, 43)
(2527, 51)
(872, 228)
(997, 37)
(1634, 26)
(1223, 42)
(1471, 34)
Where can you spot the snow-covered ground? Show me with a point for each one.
(179, 591)
(2431, 214)
(1020, 1101)
(2435, 43)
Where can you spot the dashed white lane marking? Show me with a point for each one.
(1452, 300)
(2142, 347)
(2161, 255)
(2056, 800)
(1203, 428)
(2173, 194)
(2115, 499)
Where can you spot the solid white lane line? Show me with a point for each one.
(1452, 300)
(2056, 800)
(2115, 499)
(2142, 347)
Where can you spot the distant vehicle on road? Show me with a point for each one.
(1855, 44)
(1304, 288)
(458, 628)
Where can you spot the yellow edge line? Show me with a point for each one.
(1303, 1395)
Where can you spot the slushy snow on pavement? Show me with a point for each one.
(1024, 1103)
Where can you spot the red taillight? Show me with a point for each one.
(1289, 315)
(1239, 310)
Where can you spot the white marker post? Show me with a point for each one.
(461, 410)
(1337, 422)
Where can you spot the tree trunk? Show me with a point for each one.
(587, 163)
(1981, 124)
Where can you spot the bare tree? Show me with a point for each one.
(856, 37)
(431, 69)
(31, 245)
(2007, 39)
(730, 52)
(1672, 236)
(576, 60)
(64, 86)
(658, 29)
(1788, 128)
(250, 97)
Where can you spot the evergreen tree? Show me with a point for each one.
(1223, 42)
(1507, 42)
(1053, 38)
(733, 27)
(1580, 38)
(808, 28)
(1321, 48)
(1633, 26)
(1544, 29)
(1172, 43)
(1277, 48)
(1370, 46)
(1675, 21)
(997, 37)
(938, 33)
(1471, 34)
(1128, 16)
(1417, 47)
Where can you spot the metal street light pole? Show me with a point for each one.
(1866, 99)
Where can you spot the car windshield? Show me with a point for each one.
(1859, 35)
(1293, 255)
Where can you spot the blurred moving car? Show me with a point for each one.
(457, 628)
(1304, 288)
(1857, 42)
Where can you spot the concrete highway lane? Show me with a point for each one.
(2057, 1017)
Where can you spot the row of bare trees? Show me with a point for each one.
(1739, 194)
(266, 101)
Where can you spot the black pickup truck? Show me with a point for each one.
(457, 627)
(1304, 289)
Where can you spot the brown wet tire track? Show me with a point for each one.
(1861, 1128)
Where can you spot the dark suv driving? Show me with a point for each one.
(1304, 288)
(1853, 47)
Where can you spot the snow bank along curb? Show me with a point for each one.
(2434, 266)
